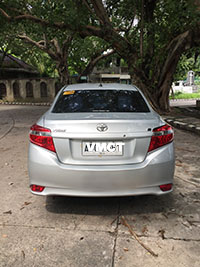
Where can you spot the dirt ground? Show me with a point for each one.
(65, 231)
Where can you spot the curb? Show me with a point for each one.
(26, 103)
(183, 126)
(189, 111)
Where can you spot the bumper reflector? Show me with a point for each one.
(37, 188)
(165, 187)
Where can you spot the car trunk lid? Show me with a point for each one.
(78, 140)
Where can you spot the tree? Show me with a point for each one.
(59, 44)
(7, 33)
(188, 61)
(57, 53)
(86, 53)
(150, 35)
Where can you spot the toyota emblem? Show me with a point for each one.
(102, 127)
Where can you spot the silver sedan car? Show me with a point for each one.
(101, 140)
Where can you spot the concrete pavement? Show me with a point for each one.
(185, 118)
(65, 231)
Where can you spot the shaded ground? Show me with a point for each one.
(64, 231)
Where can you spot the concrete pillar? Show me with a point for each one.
(22, 88)
(36, 88)
(9, 90)
(51, 88)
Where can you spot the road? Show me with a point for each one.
(80, 232)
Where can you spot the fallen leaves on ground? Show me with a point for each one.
(162, 233)
(7, 212)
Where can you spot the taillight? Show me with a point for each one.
(37, 188)
(161, 136)
(42, 137)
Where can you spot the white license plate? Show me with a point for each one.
(102, 148)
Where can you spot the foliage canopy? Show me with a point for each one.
(150, 35)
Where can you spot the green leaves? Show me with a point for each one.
(143, 32)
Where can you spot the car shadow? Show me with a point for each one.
(109, 205)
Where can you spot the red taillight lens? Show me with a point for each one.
(42, 137)
(165, 187)
(37, 188)
(161, 136)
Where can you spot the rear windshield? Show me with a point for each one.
(100, 101)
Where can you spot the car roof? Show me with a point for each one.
(99, 86)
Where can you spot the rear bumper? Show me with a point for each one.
(93, 181)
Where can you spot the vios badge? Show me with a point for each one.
(102, 127)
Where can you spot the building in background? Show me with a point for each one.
(21, 81)
(110, 72)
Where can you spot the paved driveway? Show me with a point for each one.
(65, 231)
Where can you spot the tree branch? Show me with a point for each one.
(142, 28)
(55, 43)
(85, 2)
(174, 50)
(94, 60)
(66, 44)
(41, 45)
(5, 14)
(109, 34)
(100, 11)
(29, 17)
(84, 31)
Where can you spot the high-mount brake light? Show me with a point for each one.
(161, 136)
(42, 137)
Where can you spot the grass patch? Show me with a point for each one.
(180, 95)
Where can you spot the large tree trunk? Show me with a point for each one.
(157, 87)
(63, 72)
(164, 90)
(157, 97)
